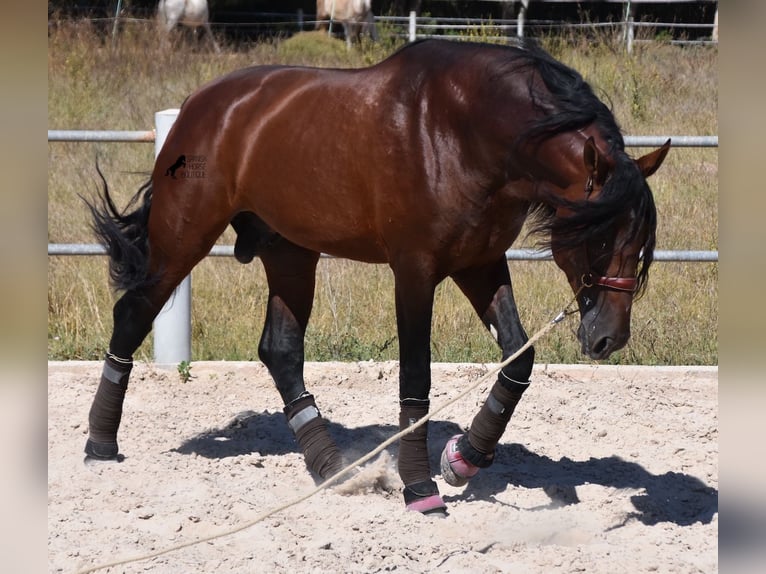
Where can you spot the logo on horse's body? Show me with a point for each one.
(191, 166)
(179, 163)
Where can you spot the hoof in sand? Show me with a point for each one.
(424, 497)
(431, 505)
(455, 469)
(96, 453)
(92, 461)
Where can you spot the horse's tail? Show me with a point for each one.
(125, 236)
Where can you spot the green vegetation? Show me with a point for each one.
(184, 371)
(93, 84)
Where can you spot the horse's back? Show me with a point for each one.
(356, 163)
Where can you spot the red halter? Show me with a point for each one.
(628, 284)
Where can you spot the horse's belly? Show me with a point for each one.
(328, 210)
(325, 230)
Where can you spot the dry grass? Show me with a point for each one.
(660, 89)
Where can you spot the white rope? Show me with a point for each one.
(263, 516)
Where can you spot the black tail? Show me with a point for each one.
(125, 236)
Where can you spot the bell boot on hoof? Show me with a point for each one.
(424, 497)
(456, 471)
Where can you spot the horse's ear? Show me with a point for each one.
(651, 162)
(595, 163)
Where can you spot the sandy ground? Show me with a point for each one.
(602, 469)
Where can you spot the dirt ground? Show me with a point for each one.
(603, 469)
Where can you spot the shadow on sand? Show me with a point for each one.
(670, 497)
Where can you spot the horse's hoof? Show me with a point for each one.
(92, 462)
(424, 497)
(431, 506)
(96, 453)
(456, 471)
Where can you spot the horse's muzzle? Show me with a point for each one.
(598, 341)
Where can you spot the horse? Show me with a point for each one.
(355, 15)
(439, 155)
(191, 13)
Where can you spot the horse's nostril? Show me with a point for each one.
(600, 348)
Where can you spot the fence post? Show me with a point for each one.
(522, 16)
(116, 21)
(629, 32)
(413, 26)
(714, 35)
(172, 327)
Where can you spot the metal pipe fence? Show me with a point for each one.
(669, 255)
(149, 136)
(413, 27)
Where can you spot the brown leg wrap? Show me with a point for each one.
(478, 446)
(106, 410)
(413, 447)
(319, 451)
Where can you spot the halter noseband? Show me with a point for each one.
(627, 284)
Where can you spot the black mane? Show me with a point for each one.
(568, 104)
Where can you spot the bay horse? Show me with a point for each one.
(429, 161)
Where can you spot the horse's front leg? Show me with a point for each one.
(290, 271)
(489, 291)
(414, 305)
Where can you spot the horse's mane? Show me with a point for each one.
(568, 104)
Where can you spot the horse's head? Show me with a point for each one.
(605, 244)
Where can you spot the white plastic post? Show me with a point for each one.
(522, 17)
(413, 26)
(172, 327)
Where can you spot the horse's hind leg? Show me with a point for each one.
(489, 291)
(291, 275)
(133, 315)
(148, 267)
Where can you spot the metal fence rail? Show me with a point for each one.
(148, 136)
(90, 249)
